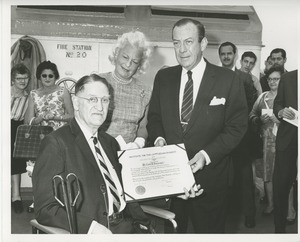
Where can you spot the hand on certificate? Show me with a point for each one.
(193, 192)
(197, 162)
(288, 113)
(160, 142)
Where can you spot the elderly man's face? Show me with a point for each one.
(227, 56)
(91, 114)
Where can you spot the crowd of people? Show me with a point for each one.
(236, 128)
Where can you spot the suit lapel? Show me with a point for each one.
(206, 86)
(173, 95)
(83, 144)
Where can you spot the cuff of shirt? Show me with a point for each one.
(140, 142)
(207, 159)
(92, 226)
(158, 138)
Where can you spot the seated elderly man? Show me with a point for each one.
(80, 148)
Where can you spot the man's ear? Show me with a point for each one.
(204, 43)
(285, 60)
(75, 102)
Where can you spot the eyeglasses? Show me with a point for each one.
(94, 100)
(21, 79)
(275, 79)
(45, 75)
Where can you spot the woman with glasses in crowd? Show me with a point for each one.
(263, 118)
(20, 77)
(50, 104)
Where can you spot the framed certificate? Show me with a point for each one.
(155, 172)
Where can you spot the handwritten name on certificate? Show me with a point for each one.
(155, 172)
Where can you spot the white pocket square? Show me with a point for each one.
(217, 101)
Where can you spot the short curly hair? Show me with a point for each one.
(19, 69)
(46, 65)
(137, 39)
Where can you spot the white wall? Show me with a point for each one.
(280, 30)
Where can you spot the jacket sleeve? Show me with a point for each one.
(279, 99)
(48, 211)
(154, 126)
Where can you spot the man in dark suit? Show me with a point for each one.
(285, 168)
(73, 149)
(210, 121)
(243, 188)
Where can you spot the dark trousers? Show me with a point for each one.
(243, 190)
(285, 172)
(207, 212)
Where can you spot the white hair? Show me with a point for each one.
(136, 39)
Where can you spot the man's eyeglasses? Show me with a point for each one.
(21, 79)
(276, 79)
(94, 100)
(45, 75)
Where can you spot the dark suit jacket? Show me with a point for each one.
(215, 129)
(64, 151)
(251, 93)
(244, 147)
(286, 97)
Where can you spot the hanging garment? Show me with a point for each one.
(30, 52)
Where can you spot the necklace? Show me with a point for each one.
(120, 80)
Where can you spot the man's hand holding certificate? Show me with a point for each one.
(290, 115)
(157, 172)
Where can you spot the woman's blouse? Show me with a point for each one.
(262, 102)
(53, 102)
(129, 104)
(18, 106)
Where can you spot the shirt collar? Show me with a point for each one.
(198, 69)
(86, 132)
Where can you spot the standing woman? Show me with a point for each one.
(50, 104)
(20, 76)
(127, 121)
(262, 116)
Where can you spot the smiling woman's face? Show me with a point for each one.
(48, 78)
(128, 61)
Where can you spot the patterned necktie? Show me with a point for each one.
(108, 178)
(187, 102)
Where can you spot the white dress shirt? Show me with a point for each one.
(89, 137)
(197, 74)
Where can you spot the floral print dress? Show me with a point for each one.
(53, 102)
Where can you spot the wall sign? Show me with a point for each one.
(75, 50)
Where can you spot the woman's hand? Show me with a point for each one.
(48, 116)
(274, 119)
(265, 118)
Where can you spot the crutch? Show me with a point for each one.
(68, 201)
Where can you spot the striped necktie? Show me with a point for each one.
(187, 102)
(108, 178)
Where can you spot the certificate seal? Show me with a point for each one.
(140, 190)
